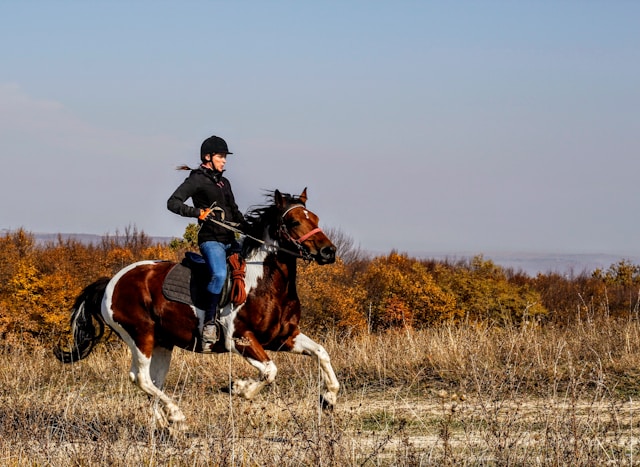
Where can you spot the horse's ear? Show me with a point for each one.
(303, 196)
(277, 197)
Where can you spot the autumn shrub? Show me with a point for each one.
(189, 240)
(329, 299)
(38, 286)
(13, 247)
(400, 292)
(569, 299)
(39, 283)
(622, 286)
(484, 293)
(612, 292)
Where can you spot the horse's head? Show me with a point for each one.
(299, 226)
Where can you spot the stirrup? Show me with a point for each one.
(210, 333)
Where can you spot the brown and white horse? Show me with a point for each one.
(133, 305)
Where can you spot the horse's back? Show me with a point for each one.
(135, 303)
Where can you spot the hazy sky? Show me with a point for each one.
(421, 126)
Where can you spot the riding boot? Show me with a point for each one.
(210, 328)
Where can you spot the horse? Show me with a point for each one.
(133, 305)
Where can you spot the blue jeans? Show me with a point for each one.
(215, 255)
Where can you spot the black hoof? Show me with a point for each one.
(324, 403)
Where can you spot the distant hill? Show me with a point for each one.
(534, 263)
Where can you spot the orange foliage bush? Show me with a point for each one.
(402, 292)
(614, 292)
(329, 300)
(484, 292)
(38, 284)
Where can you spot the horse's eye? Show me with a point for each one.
(293, 224)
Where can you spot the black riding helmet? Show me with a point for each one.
(213, 145)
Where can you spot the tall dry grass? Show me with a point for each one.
(465, 395)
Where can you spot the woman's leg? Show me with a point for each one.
(215, 255)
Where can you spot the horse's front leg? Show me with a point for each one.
(249, 347)
(304, 345)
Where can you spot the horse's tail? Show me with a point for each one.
(85, 335)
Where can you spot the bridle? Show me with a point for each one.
(286, 234)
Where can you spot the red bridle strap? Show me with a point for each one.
(309, 234)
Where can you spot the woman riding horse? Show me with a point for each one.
(132, 303)
(212, 200)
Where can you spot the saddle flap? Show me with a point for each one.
(187, 281)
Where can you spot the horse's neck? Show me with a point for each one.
(274, 263)
(285, 265)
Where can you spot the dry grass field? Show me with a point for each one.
(451, 395)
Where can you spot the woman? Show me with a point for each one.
(212, 199)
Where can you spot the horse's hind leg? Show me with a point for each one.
(141, 374)
(304, 345)
(160, 361)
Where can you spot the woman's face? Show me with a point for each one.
(218, 161)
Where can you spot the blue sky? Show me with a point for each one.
(418, 126)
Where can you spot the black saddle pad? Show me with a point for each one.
(187, 282)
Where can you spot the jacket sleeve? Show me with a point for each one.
(176, 202)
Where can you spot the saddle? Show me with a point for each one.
(187, 281)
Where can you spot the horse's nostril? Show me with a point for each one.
(328, 252)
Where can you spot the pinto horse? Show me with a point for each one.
(133, 305)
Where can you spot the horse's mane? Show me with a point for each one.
(264, 217)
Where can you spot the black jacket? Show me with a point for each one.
(204, 186)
